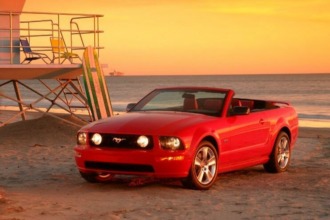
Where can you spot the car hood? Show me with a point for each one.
(148, 123)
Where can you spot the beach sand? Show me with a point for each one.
(39, 180)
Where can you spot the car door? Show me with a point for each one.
(244, 137)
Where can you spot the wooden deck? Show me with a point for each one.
(39, 71)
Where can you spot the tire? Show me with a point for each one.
(97, 177)
(204, 168)
(281, 154)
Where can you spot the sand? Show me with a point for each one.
(39, 180)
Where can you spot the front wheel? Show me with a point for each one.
(97, 177)
(204, 168)
(280, 157)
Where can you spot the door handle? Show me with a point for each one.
(261, 121)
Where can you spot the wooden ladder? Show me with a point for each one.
(74, 97)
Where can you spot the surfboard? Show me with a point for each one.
(97, 92)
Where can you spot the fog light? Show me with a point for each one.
(143, 141)
(96, 139)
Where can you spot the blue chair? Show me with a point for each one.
(30, 55)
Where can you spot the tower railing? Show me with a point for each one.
(38, 27)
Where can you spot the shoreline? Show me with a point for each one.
(6, 112)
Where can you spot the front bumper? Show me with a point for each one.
(156, 162)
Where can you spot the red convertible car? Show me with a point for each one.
(191, 133)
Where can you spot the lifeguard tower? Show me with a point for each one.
(42, 54)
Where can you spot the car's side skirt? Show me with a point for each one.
(231, 167)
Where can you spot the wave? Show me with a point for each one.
(313, 116)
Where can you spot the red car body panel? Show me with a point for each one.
(241, 140)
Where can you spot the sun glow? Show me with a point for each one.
(209, 37)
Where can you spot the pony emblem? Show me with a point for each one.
(118, 140)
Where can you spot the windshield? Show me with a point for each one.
(207, 102)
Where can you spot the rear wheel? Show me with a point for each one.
(204, 168)
(97, 177)
(280, 157)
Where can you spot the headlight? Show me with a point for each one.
(170, 143)
(143, 141)
(96, 139)
(82, 138)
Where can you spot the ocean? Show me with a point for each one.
(308, 93)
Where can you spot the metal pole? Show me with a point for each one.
(59, 38)
(94, 31)
(11, 37)
(97, 35)
(18, 96)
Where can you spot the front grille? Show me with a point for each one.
(119, 167)
(122, 141)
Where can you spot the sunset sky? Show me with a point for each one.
(208, 36)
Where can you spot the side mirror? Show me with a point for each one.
(130, 106)
(241, 110)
